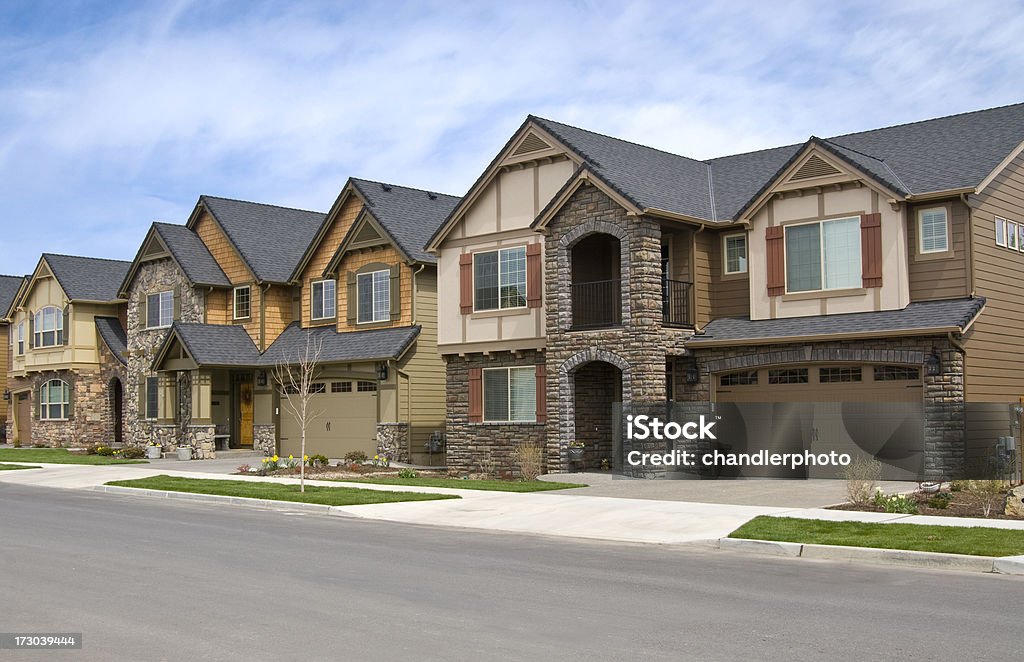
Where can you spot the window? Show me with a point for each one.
(789, 376)
(735, 253)
(318, 388)
(341, 387)
(499, 279)
(738, 379)
(838, 375)
(21, 339)
(366, 387)
(243, 303)
(324, 300)
(49, 327)
(890, 373)
(159, 310)
(1011, 236)
(374, 292)
(932, 230)
(291, 389)
(152, 386)
(54, 397)
(1000, 231)
(823, 256)
(510, 394)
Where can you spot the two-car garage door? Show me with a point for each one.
(343, 419)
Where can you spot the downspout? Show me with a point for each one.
(693, 278)
(415, 291)
(969, 234)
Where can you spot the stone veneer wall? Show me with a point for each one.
(481, 447)
(393, 441)
(264, 439)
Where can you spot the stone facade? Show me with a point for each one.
(484, 447)
(264, 439)
(393, 441)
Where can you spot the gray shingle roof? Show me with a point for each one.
(192, 255)
(270, 239)
(113, 335)
(9, 286)
(921, 316)
(411, 216)
(88, 278)
(373, 345)
(224, 345)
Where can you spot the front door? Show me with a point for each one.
(23, 414)
(245, 414)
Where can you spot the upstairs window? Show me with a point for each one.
(374, 292)
(54, 398)
(242, 303)
(823, 255)
(49, 327)
(21, 339)
(324, 300)
(499, 279)
(735, 247)
(160, 310)
(932, 230)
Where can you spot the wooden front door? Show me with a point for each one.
(245, 414)
(23, 414)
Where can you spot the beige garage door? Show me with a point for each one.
(855, 409)
(345, 420)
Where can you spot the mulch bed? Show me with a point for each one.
(962, 505)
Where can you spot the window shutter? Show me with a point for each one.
(177, 302)
(396, 294)
(141, 400)
(871, 250)
(542, 393)
(534, 273)
(67, 324)
(351, 304)
(466, 283)
(31, 329)
(143, 311)
(775, 251)
(476, 395)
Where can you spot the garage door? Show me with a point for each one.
(855, 409)
(344, 419)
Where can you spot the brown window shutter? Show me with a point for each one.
(775, 251)
(466, 283)
(534, 280)
(66, 322)
(542, 393)
(31, 329)
(871, 250)
(177, 302)
(476, 395)
(396, 292)
(351, 305)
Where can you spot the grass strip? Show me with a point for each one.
(468, 484)
(975, 541)
(58, 456)
(330, 496)
(11, 467)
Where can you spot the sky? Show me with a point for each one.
(117, 114)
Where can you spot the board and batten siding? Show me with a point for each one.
(945, 276)
(995, 360)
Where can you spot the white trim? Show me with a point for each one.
(821, 245)
(920, 231)
(38, 330)
(159, 307)
(1000, 233)
(725, 253)
(45, 404)
(373, 297)
(508, 388)
(323, 301)
(234, 302)
(526, 280)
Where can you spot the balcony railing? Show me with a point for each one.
(675, 297)
(597, 305)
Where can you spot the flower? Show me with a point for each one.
(290, 457)
(305, 458)
(274, 459)
(265, 460)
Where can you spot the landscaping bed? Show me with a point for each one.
(59, 456)
(961, 504)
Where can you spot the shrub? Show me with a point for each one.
(940, 501)
(408, 473)
(530, 458)
(862, 476)
(354, 457)
(317, 460)
(16, 443)
(895, 503)
(100, 449)
(986, 492)
(133, 453)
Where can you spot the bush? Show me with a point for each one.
(100, 449)
(408, 473)
(862, 476)
(940, 501)
(986, 492)
(317, 460)
(530, 459)
(355, 457)
(896, 503)
(133, 453)
(16, 443)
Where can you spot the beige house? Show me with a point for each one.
(10, 286)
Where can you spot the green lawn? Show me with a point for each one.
(58, 456)
(11, 467)
(459, 484)
(331, 496)
(976, 541)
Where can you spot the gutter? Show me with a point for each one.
(778, 340)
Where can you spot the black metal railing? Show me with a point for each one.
(597, 305)
(675, 307)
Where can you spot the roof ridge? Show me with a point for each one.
(408, 188)
(204, 196)
(10, 276)
(86, 257)
(930, 119)
(621, 140)
(881, 160)
(755, 151)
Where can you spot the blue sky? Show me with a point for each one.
(113, 115)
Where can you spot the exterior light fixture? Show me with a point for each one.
(7, 395)
(692, 373)
(261, 378)
(382, 372)
(933, 364)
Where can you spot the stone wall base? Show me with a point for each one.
(264, 439)
(393, 441)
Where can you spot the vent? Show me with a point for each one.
(531, 143)
(366, 234)
(814, 167)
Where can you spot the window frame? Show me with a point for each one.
(323, 300)
(151, 380)
(1000, 230)
(45, 403)
(160, 309)
(1012, 231)
(526, 279)
(508, 394)
(947, 231)
(821, 248)
(725, 254)
(372, 275)
(234, 302)
(39, 329)
(20, 342)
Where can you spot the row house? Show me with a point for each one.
(10, 287)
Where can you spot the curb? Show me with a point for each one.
(217, 498)
(1009, 565)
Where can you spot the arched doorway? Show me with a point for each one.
(596, 282)
(117, 409)
(597, 387)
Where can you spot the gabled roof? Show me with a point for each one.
(918, 318)
(212, 345)
(112, 333)
(372, 345)
(271, 240)
(9, 288)
(192, 255)
(409, 215)
(88, 278)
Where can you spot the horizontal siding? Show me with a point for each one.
(425, 367)
(995, 360)
(5, 364)
(730, 295)
(704, 246)
(943, 278)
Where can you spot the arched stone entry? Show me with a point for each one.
(117, 409)
(596, 282)
(591, 383)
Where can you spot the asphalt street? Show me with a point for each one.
(144, 579)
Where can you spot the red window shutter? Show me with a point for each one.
(871, 250)
(476, 395)
(775, 250)
(534, 282)
(466, 283)
(542, 393)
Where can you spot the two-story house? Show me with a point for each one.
(872, 267)
(66, 374)
(10, 286)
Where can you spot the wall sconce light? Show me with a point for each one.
(691, 373)
(7, 395)
(933, 364)
(261, 378)
(382, 372)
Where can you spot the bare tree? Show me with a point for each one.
(295, 379)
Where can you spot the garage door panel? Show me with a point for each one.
(340, 423)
